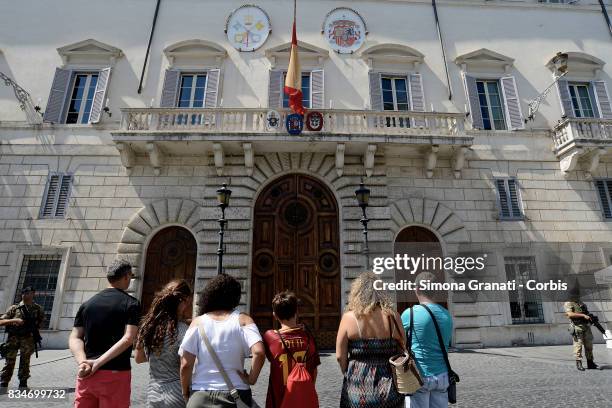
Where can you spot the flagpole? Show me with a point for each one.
(294, 10)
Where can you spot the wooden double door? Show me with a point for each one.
(416, 241)
(171, 254)
(296, 247)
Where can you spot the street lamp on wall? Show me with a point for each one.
(559, 62)
(223, 198)
(362, 194)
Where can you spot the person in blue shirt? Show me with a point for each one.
(426, 347)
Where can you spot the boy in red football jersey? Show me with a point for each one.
(298, 340)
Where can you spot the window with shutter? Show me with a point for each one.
(472, 93)
(604, 188)
(213, 81)
(600, 92)
(170, 89)
(317, 89)
(508, 199)
(376, 100)
(191, 90)
(275, 89)
(582, 100)
(490, 102)
(99, 98)
(54, 112)
(57, 195)
(567, 110)
(512, 103)
(81, 97)
(394, 93)
(417, 98)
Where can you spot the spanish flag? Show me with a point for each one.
(293, 81)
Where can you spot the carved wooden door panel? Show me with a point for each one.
(171, 255)
(296, 247)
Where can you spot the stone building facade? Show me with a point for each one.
(139, 179)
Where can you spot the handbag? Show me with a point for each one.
(233, 391)
(453, 377)
(406, 375)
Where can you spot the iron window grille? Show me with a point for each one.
(525, 305)
(41, 272)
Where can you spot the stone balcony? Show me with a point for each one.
(158, 132)
(582, 141)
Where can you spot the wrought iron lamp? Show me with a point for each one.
(560, 66)
(33, 113)
(223, 198)
(362, 194)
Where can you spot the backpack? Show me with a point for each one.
(300, 390)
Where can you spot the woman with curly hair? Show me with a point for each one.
(161, 331)
(369, 334)
(232, 336)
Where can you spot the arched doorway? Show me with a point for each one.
(171, 254)
(414, 241)
(296, 247)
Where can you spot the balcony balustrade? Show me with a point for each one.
(583, 140)
(253, 121)
(161, 132)
(582, 130)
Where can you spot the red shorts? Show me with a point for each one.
(104, 389)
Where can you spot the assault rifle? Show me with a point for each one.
(31, 325)
(595, 322)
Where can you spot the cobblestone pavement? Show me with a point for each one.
(513, 377)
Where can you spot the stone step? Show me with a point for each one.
(467, 335)
(463, 346)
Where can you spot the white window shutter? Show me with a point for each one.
(471, 92)
(417, 98)
(317, 89)
(594, 100)
(47, 208)
(64, 195)
(604, 187)
(567, 109)
(275, 87)
(512, 103)
(376, 101)
(100, 95)
(169, 92)
(213, 79)
(58, 96)
(603, 99)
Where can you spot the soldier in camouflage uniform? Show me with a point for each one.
(580, 329)
(20, 337)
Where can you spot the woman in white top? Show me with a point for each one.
(233, 336)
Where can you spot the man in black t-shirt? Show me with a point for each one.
(101, 341)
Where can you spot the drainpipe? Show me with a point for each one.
(448, 83)
(606, 16)
(144, 66)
